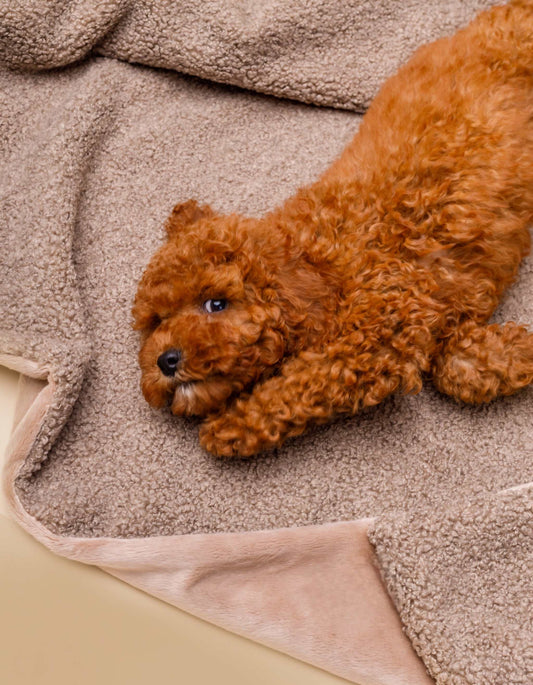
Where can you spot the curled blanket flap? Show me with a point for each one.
(287, 589)
(52, 375)
(326, 53)
(318, 581)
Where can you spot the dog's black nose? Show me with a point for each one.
(168, 361)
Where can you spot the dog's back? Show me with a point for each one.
(444, 157)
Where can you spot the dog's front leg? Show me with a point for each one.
(479, 363)
(311, 388)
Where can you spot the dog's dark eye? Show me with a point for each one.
(213, 306)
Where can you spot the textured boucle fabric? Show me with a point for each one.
(97, 147)
(471, 566)
(327, 53)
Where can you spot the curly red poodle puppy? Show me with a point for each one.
(384, 270)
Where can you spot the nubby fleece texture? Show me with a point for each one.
(391, 547)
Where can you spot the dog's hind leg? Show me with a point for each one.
(478, 363)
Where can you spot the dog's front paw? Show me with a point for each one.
(229, 436)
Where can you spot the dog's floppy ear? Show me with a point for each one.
(184, 215)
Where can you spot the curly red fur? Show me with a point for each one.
(384, 270)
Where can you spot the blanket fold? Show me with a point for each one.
(94, 156)
(327, 53)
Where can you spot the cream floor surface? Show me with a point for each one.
(65, 623)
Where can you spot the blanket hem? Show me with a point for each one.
(183, 571)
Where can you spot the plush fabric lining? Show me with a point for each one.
(277, 548)
(255, 584)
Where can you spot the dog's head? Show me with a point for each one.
(209, 311)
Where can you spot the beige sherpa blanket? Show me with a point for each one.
(395, 547)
